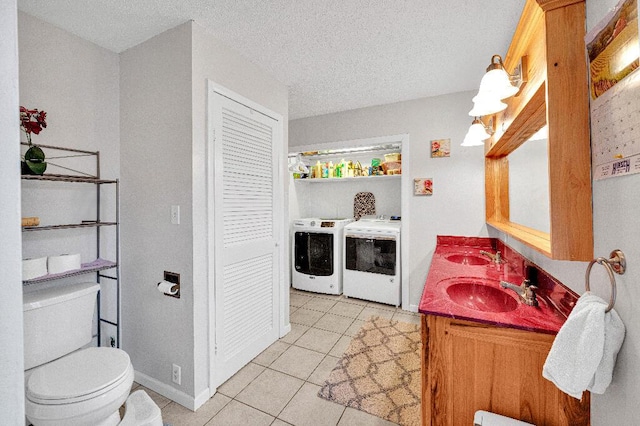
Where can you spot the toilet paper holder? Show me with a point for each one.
(173, 278)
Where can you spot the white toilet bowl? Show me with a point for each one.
(86, 387)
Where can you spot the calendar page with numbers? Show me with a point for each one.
(615, 129)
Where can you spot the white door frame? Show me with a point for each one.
(279, 211)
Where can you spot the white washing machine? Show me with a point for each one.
(372, 260)
(317, 254)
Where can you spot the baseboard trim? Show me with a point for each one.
(202, 398)
(285, 330)
(172, 393)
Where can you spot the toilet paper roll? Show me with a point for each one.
(63, 263)
(165, 287)
(34, 268)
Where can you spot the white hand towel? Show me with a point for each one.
(583, 353)
(614, 332)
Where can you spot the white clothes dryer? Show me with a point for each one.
(372, 260)
(317, 254)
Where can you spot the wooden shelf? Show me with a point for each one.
(67, 226)
(68, 178)
(95, 266)
(347, 179)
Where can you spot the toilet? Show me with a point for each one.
(66, 384)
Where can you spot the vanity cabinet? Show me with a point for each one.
(550, 36)
(469, 366)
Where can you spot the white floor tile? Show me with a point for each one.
(308, 409)
(318, 340)
(241, 379)
(270, 391)
(270, 354)
(237, 414)
(321, 373)
(298, 362)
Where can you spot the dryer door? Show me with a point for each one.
(365, 253)
(314, 253)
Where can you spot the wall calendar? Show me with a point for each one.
(615, 129)
(613, 51)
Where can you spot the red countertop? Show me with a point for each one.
(555, 301)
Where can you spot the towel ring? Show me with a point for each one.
(616, 263)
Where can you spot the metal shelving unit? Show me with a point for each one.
(98, 266)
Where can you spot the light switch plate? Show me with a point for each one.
(175, 215)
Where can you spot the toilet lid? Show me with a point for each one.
(79, 374)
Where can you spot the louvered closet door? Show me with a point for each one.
(246, 253)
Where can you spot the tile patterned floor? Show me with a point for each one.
(280, 386)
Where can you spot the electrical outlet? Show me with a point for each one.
(176, 374)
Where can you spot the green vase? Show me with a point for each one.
(34, 163)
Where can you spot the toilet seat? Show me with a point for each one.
(82, 375)
(83, 388)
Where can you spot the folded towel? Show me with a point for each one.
(584, 352)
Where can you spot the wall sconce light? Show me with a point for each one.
(497, 84)
(477, 133)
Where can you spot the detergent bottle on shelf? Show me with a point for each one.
(318, 169)
(344, 169)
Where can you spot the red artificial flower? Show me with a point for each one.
(32, 121)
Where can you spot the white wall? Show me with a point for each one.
(76, 83)
(335, 199)
(457, 205)
(11, 338)
(615, 211)
(155, 147)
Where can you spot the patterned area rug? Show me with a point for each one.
(380, 372)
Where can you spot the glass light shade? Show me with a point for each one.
(486, 105)
(497, 83)
(476, 135)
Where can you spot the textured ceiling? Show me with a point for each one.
(334, 55)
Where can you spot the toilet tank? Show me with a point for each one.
(57, 321)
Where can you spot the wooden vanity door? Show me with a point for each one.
(471, 366)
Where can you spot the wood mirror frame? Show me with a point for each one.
(556, 92)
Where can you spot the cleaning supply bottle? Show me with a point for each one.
(331, 168)
(344, 170)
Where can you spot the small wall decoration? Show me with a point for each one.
(423, 186)
(440, 148)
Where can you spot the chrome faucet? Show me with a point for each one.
(524, 290)
(495, 258)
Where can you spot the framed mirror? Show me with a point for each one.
(529, 183)
(556, 94)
